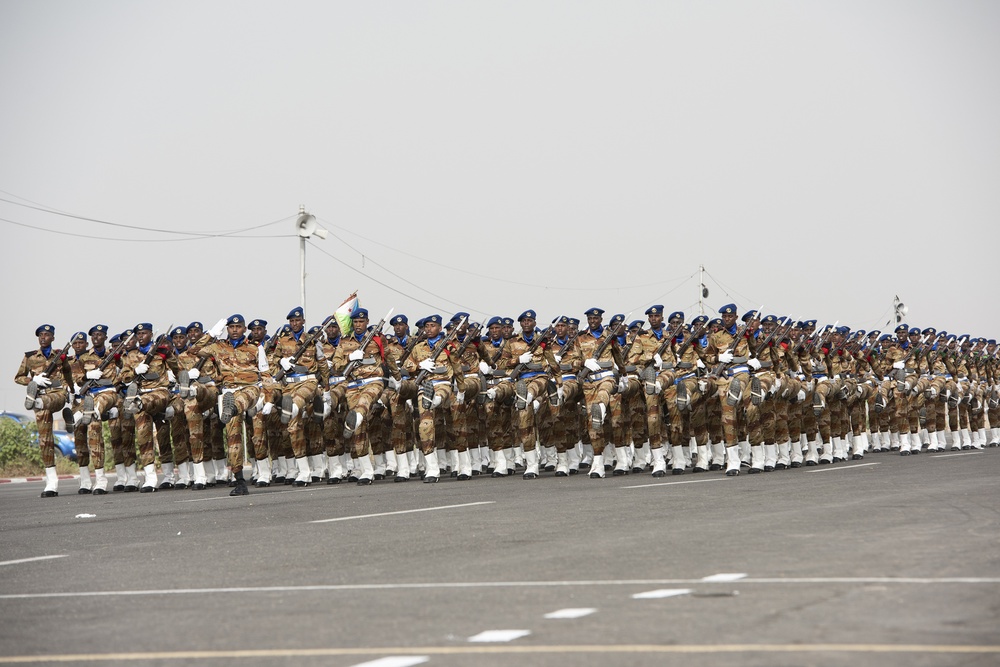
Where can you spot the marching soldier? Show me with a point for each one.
(100, 400)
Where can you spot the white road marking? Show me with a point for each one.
(254, 493)
(499, 635)
(30, 560)
(579, 612)
(725, 576)
(828, 469)
(395, 661)
(422, 509)
(944, 456)
(979, 581)
(661, 593)
(689, 481)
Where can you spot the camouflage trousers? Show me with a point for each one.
(731, 412)
(244, 398)
(172, 436)
(401, 434)
(103, 402)
(53, 400)
(464, 415)
(361, 399)
(205, 399)
(565, 429)
(427, 429)
(833, 419)
(333, 430)
(527, 420)
(302, 394)
(499, 421)
(153, 403)
(602, 393)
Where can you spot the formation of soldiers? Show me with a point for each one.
(461, 399)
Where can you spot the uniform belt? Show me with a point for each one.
(146, 391)
(336, 379)
(819, 376)
(493, 381)
(943, 375)
(360, 383)
(596, 377)
(97, 390)
(569, 376)
(686, 376)
(736, 370)
(433, 382)
(472, 375)
(295, 379)
(528, 376)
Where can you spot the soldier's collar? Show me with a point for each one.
(46, 351)
(596, 333)
(238, 342)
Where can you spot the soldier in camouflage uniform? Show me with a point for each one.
(73, 414)
(100, 400)
(498, 399)
(599, 382)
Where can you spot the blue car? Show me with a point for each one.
(63, 439)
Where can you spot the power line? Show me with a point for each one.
(112, 238)
(45, 209)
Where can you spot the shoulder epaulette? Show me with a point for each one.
(30, 353)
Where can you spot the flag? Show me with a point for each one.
(343, 313)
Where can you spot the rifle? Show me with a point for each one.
(369, 336)
(414, 341)
(569, 343)
(57, 360)
(437, 351)
(304, 344)
(539, 339)
(736, 341)
(612, 336)
(470, 336)
(152, 352)
(628, 346)
(667, 338)
(764, 343)
(108, 358)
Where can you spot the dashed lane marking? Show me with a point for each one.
(395, 661)
(31, 560)
(661, 593)
(725, 576)
(688, 481)
(489, 636)
(422, 509)
(571, 613)
(859, 465)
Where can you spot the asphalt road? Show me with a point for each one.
(887, 561)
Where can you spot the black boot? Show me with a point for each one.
(241, 486)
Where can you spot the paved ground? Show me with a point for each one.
(892, 562)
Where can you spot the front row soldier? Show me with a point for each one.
(46, 394)
(246, 384)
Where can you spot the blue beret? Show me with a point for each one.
(178, 331)
(809, 324)
(770, 319)
(902, 328)
(143, 326)
(594, 311)
(508, 321)
(79, 335)
(196, 325)
(635, 323)
(930, 330)
(699, 320)
(494, 320)
(528, 313)
(677, 314)
(316, 328)
(943, 334)
(475, 325)
(459, 315)
(951, 337)
(432, 318)
(357, 313)
(45, 327)
(420, 323)
(843, 331)
(261, 323)
(747, 315)
(963, 336)
(991, 341)
(885, 336)
(295, 312)
(236, 319)
(860, 332)
(114, 340)
(914, 330)
(102, 328)
(728, 309)
(562, 319)
(618, 317)
(655, 310)
(574, 322)
(399, 319)
(717, 320)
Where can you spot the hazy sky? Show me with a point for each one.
(816, 157)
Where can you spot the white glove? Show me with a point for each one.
(560, 393)
(357, 355)
(657, 388)
(491, 393)
(699, 363)
(170, 376)
(76, 388)
(777, 385)
(725, 357)
(260, 403)
(194, 374)
(266, 410)
(286, 363)
(622, 384)
(900, 365)
(94, 375)
(218, 329)
(658, 361)
(394, 383)
(592, 365)
(558, 358)
(525, 358)
(801, 395)
(427, 365)
(326, 398)
(485, 368)
(42, 380)
(754, 364)
(141, 369)
(459, 397)
(327, 410)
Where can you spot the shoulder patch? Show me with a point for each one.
(30, 353)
